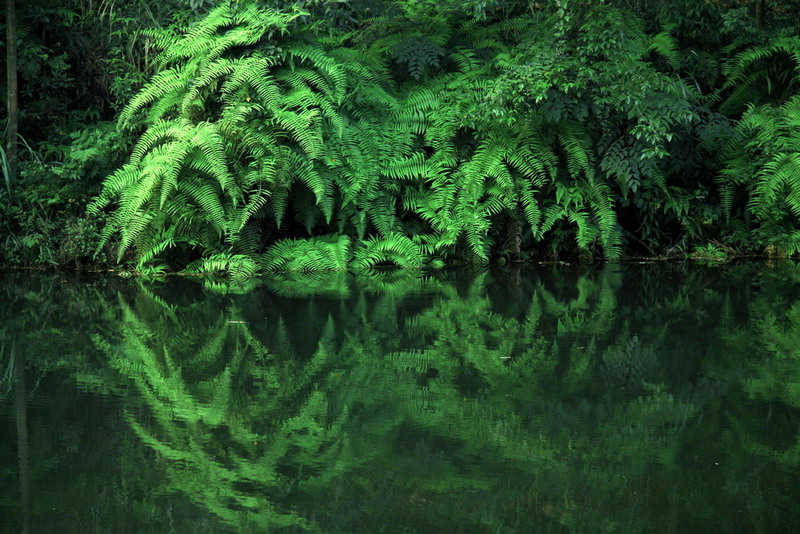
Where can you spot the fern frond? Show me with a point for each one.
(394, 248)
(308, 255)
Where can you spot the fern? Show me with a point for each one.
(761, 71)
(252, 133)
(418, 54)
(308, 255)
(221, 170)
(394, 248)
(237, 265)
(771, 153)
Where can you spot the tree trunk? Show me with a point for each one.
(11, 85)
(761, 8)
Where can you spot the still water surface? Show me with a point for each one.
(638, 398)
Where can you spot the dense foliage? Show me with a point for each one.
(321, 135)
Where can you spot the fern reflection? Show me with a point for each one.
(342, 404)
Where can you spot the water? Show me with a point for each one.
(639, 398)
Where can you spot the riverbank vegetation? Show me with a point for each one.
(247, 136)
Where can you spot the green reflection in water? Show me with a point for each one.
(628, 399)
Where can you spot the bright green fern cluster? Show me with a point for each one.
(771, 153)
(444, 139)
